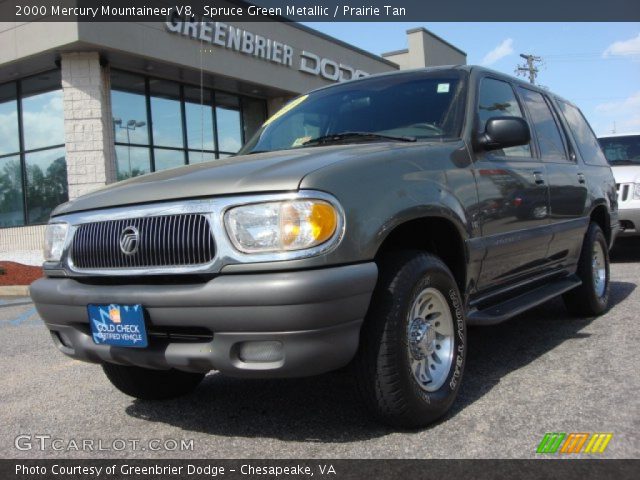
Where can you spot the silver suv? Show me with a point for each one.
(623, 153)
(366, 223)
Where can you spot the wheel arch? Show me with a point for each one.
(438, 234)
(600, 215)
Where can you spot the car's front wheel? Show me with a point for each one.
(147, 384)
(413, 345)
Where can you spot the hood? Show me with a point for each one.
(261, 172)
(626, 173)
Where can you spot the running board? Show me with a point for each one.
(515, 306)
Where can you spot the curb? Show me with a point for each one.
(15, 290)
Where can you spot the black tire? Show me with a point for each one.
(584, 301)
(382, 366)
(147, 384)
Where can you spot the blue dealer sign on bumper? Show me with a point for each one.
(118, 325)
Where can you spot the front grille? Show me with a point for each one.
(162, 241)
(180, 334)
(623, 191)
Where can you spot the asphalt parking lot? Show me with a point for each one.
(540, 372)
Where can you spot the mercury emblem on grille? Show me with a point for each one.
(129, 240)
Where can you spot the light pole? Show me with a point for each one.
(130, 125)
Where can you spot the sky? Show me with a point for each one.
(594, 65)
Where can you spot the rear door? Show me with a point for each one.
(513, 197)
(566, 181)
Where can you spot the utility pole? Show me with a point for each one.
(529, 69)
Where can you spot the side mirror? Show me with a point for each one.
(504, 132)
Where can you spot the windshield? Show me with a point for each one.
(623, 150)
(416, 106)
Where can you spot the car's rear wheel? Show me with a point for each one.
(592, 297)
(413, 345)
(147, 384)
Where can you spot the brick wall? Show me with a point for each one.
(22, 244)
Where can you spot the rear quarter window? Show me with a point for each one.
(584, 137)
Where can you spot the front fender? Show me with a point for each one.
(398, 186)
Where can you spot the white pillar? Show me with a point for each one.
(276, 103)
(90, 152)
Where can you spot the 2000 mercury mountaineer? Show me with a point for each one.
(366, 223)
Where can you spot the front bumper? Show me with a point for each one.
(315, 315)
(629, 222)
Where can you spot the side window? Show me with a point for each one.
(583, 135)
(550, 140)
(497, 99)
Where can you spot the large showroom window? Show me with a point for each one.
(33, 170)
(159, 124)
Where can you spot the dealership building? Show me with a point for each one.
(87, 104)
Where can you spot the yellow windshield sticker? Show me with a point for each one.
(285, 109)
(300, 141)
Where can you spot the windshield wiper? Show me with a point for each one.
(256, 151)
(341, 137)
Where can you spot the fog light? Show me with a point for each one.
(261, 352)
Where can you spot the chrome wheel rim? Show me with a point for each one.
(599, 269)
(430, 339)
(540, 212)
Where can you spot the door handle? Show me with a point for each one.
(539, 178)
(581, 178)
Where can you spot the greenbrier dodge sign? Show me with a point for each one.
(227, 36)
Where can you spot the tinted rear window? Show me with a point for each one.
(549, 137)
(584, 137)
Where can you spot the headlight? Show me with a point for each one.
(54, 238)
(282, 226)
(636, 191)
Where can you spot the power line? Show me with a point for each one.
(585, 57)
(588, 59)
(592, 54)
(598, 98)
